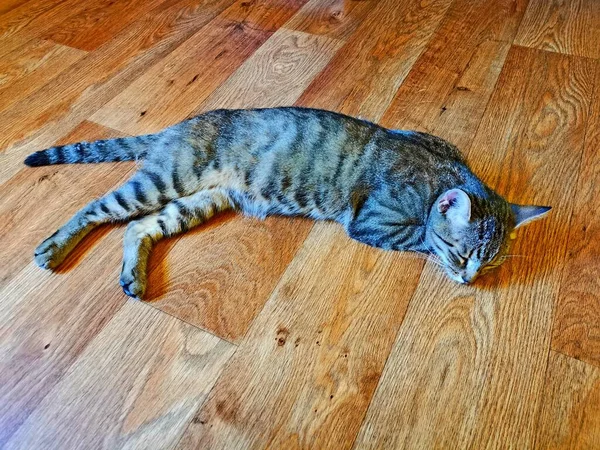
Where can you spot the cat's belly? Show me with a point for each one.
(254, 204)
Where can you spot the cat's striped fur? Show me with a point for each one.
(398, 190)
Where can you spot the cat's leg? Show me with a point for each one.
(382, 227)
(145, 192)
(178, 216)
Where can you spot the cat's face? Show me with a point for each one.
(469, 244)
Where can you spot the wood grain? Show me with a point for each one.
(266, 15)
(562, 26)
(480, 352)
(48, 319)
(93, 26)
(570, 413)
(365, 74)
(30, 66)
(47, 322)
(219, 277)
(448, 88)
(33, 16)
(333, 18)
(8, 5)
(277, 73)
(577, 318)
(40, 119)
(159, 369)
(172, 89)
(304, 375)
(340, 345)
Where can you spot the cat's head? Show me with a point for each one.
(472, 236)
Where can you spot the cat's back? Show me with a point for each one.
(324, 139)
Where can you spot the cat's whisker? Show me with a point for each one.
(426, 257)
(436, 261)
(431, 257)
(513, 256)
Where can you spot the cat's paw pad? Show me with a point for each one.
(132, 287)
(49, 254)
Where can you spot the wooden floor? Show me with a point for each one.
(285, 333)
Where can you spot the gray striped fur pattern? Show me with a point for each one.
(397, 190)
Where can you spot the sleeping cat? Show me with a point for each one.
(397, 190)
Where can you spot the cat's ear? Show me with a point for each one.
(455, 205)
(528, 213)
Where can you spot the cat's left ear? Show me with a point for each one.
(528, 213)
(455, 205)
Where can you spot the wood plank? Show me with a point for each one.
(471, 359)
(8, 5)
(172, 89)
(35, 18)
(571, 27)
(365, 74)
(47, 322)
(266, 15)
(291, 58)
(304, 375)
(47, 319)
(30, 66)
(139, 381)
(220, 277)
(99, 22)
(570, 413)
(40, 119)
(32, 15)
(332, 18)
(448, 88)
(577, 317)
(11, 43)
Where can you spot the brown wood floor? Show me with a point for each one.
(285, 333)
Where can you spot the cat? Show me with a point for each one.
(392, 189)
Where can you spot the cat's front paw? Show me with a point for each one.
(49, 254)
(133, 287)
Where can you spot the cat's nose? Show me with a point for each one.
(465, 279)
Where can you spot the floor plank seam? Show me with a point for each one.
(587, 363)
(545, 50)
(275, 286)
(538, 414)
(122, 133)
(208, 395)
(149, 304)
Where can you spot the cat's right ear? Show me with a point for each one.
(455, 205)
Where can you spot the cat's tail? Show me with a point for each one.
(110, 150)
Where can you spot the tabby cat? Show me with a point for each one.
(397, 190)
